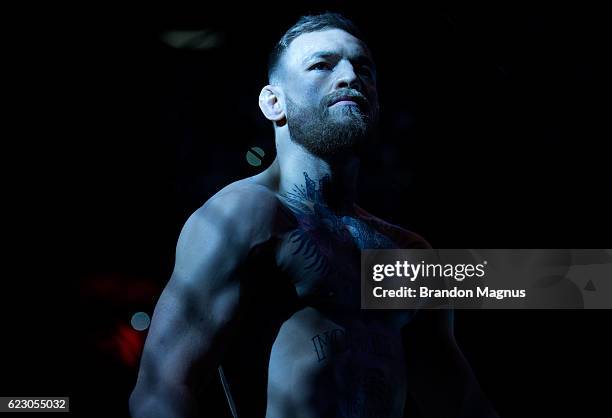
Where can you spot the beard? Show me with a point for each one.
(328, 132)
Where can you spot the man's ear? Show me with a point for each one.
(270, 103)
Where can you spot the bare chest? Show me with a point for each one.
(322, 255)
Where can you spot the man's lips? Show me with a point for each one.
(345, 102)
(348, 100)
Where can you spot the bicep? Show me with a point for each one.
(196, 311)
(186, 332)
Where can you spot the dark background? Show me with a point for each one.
(491, 137)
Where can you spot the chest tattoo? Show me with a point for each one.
(319, 231)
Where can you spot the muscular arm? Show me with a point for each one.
(196, 313)
(440, 379)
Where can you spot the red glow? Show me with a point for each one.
(127, 344)
(120, 289)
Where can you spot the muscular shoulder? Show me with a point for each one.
(240, 215)
(401, 236)
(249, 199)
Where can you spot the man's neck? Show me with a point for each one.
(331, 183)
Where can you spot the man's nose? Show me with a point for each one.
(347, 78)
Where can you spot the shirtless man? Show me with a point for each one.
(267, 279)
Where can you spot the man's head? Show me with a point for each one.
(322, 85)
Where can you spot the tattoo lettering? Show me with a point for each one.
(337, 341)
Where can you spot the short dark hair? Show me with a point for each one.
(306, 24)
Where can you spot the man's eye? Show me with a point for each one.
(320, 66)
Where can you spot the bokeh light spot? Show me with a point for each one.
(255, 156)
(140, 321)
